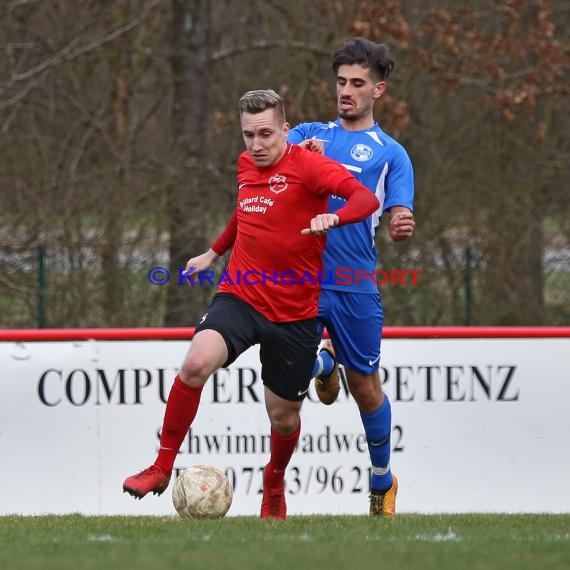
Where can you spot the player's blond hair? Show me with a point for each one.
(260, 100)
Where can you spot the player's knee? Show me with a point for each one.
(283, 421)
(367, 394)
(195, 368)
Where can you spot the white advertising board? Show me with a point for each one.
(479, 425)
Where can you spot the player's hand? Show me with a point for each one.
(402, 226)
(313, 145)
(321, 224)
(200, 263)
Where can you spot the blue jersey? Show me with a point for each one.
(383, 166)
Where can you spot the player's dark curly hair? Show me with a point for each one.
(370, 55)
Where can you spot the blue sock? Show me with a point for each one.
(324, 364)
(378, 426)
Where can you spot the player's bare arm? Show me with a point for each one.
(401, 223)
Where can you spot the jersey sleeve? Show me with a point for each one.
(322, 174)
(360, 202)
(301, 132)
(399, 181)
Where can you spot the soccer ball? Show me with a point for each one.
(202, 492)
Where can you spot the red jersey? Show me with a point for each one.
(273, 267)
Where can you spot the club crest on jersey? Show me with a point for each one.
(361, 152)
(278, 183)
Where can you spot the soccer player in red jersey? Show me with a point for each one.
(268, 296)
(352, 310)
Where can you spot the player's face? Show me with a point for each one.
(357, 91)
(265, 137)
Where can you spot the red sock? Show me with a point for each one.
(181, 408)
(282, 448)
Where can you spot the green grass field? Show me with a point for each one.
(439, 542)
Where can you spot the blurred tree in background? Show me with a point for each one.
(119, 135)
(485, 90)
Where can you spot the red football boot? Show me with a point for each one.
(151, 479)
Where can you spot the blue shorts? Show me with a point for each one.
(354, 322)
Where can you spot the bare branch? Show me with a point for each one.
(70, 51)
(269, 44)
(21, 94)
(7, 122)
(21, 289)
(19, 45)
(17, 3)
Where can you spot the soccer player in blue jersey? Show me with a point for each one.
(351, 309)
(350, 305)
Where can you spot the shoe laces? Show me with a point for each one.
(324, 381)
(379, 503)
(149, 471)
(273, 495)
(274, 500)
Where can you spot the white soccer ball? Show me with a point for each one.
(202, 492)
